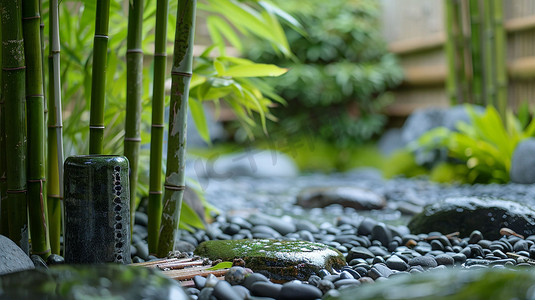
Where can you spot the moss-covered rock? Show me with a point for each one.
(110, 281)
(466, 214)
(449, 285)
(279, 260)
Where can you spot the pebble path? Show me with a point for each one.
(375, 245)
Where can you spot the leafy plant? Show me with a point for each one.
(341, 70)
(485, 146)
(216, 77)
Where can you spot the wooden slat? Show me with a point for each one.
(520, 24)
(417, 44)
(424, 75)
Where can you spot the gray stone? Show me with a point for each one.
(299, 291)
(396, 263)
(280, 260)
(359, 252)
(390, 141)
(12, 258)
(466, 214)
(254, 163)
(282, 226)
(523, 162)
(110, 281)
(353, 197)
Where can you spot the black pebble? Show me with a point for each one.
(299, 291)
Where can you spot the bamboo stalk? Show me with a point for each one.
(451, 80)
(98, 83)
(55, 132)
(134, 82)
(13, 78)
(154, 209)
(181, 76)
(37, 207)
(4, 215)
(490, 70)
(475, 35)
(42, 37)
(501, 68)
(462, 80)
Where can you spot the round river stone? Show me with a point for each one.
(466, 214)
(279, 260)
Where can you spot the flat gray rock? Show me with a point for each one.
(12, 258)
(357, 198)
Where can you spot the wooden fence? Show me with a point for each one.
(414, 30)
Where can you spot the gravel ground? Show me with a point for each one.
(377, 244)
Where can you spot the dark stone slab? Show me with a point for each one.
(354, 197)
(466, 214)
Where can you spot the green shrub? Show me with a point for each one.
(336, 85)
(485, 147)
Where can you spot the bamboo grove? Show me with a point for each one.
(475, 50)
(30, 203)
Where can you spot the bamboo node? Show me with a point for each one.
(155, 192)
(96, 127)
(101, 36)
(33, 18)
(175, 187)
(37, 180)
(13, 69)
(181, 74)
(158, 125)
(132, 139)
(161, 54)
(136, 50)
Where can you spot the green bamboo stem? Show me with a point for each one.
(42, 37)
(13, 78)
(98, 83)
(181, 76)
(156, 135)
(476, 42)
(460, 50)
(37, 206)
(500, 62)
(490, 69)
(134, 83)
(55, 132)
(451, 80)
(4, 215)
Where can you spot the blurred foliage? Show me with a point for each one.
(337, 82)
(217, 77)
(484, 148)
(402, 162)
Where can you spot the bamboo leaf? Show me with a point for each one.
(189, 216)
(197, 111)
(254, 70)
(221, 266)
(219, 67)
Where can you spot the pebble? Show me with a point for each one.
(253, 278)
(224, 291)
(266, 289)
(394, 262)
(235, 275)
(299, 291)
(423, 261)
(359, 252)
